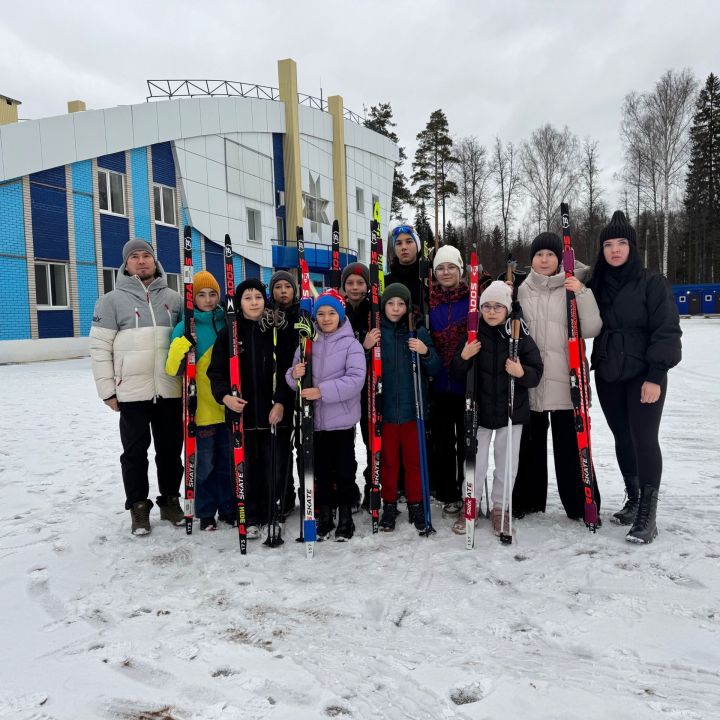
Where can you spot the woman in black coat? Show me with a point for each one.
(638, 344)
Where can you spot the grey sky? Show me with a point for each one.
(493, 67)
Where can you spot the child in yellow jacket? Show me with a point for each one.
(214, 492)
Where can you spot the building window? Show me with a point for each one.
(359, 200)
(173, 281)
(164, 199)
(109, 277)
(111, 192)
(51, 285)
(254, 226)
(361, 250)
(280, 228)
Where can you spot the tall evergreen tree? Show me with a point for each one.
(432, 163)
(380, 119)
(422, 225)
(701, 256)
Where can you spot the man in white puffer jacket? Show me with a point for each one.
(544, 305)
(129, 342)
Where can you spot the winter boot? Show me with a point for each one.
(325, 523)
(496, 516)
(450, 509)
(644, 529)
(626, 516)
(208, 524)
(416, 515)
(171, 511)
(345, 526)
(389, 515)
(140, 515)
(356, 500)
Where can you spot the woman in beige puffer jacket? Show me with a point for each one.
(543, 300)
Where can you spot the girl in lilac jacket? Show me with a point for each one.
(338, 375)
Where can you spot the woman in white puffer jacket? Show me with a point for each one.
(543, 300)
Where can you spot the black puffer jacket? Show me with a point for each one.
(493, 382)
(256, 371)
(359, 318)
(641, 328)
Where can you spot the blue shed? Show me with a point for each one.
(697, 299)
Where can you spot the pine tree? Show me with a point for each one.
(700, 260)
(422, 225)
(432, 163)
(380, 119)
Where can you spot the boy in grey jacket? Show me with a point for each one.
(129, 342)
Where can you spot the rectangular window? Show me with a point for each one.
(173, 281)
(359, 200)
(109, 276)
(111, 192)
(361, 250)
(254, 226)
(164, 201)
(51, 285)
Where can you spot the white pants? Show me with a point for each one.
(484, 436)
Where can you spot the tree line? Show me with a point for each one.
(502, 194)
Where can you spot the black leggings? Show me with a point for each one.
(635, 426)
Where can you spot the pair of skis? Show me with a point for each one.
(579, 381)
(375, 385)
(190, 390)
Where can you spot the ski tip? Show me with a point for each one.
(591, 515)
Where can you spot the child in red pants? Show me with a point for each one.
(399, 428)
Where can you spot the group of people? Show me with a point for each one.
(139, 349)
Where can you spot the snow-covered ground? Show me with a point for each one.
(95, 623)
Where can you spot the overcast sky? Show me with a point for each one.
(494, 67)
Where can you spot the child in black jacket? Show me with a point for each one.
(493, 368)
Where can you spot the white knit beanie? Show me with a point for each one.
(448, 254)
(497, 292)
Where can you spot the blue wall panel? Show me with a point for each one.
(215, 263)
(53, 176)
(279, 173)
(15, 316)
(114, 233)
(140, 194)
(114, 161)
(49, 222)
(12, 219)
(252, 270)
(238, 269)
(87, 295)
(163, 164)
(84, 228)
(168, 245)
(55, 323)
(82, 179)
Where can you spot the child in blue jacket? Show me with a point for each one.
(214, 492)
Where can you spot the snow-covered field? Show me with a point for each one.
(96, 623)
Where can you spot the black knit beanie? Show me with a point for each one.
(250, 284)
(547, 241)
(618, 227)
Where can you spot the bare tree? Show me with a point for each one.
(550, 170)
(507, 179)
(593, 209)
(655, 129)
(471, 173)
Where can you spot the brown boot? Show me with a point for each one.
(496, 515)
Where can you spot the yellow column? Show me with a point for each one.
(335, 108)
(287, 76)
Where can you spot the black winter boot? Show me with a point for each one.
(346, 526)
(626, 516)
(416, 515)
(325, 523)
(389, 515)
(644, 529)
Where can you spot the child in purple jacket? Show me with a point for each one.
(338, 375)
